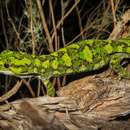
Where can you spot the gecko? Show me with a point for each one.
(82, 56)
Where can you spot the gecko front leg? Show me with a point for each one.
(116, 64)
(49, 87)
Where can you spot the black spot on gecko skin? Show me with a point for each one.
(6, 65)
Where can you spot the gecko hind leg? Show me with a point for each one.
(116, 64)
(49, 87)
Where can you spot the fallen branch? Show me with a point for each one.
(90, 103)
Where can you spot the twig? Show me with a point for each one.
(54, 24)
(76, 37)
(63, 37)
(12, 23)
(31, 25)
(113, 12)
(45, 25)
(121, 26)
(4, 29)
(62, 28)
(65, 16)
(29, 87)
(11, 92)
(79, 20)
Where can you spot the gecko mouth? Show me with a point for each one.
(6, 72)
(23, 75)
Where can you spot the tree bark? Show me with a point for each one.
(91, 103)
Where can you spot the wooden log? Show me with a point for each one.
(91, 103)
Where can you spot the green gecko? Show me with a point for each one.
(83, 56)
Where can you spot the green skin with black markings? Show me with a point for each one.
(83, 56)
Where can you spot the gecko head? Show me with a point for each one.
(14, 63)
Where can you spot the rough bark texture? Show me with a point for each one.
(90, 103)
(122, 28)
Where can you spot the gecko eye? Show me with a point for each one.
(6, 65)
(125, 63)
